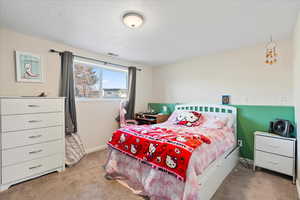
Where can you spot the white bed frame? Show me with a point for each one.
(214, 175)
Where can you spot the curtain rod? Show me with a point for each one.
(93, 59)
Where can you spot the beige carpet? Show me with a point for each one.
(85, 181)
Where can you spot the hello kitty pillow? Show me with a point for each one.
(187, 118)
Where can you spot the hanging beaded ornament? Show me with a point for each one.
(271, 53)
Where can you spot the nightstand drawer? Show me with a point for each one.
(274, 162)
(275, 145)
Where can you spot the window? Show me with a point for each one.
(93, 80)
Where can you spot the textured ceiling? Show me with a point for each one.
(173, 30)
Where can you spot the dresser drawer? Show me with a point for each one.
(275, 145)
(31, 121)
(22, 154)
(274, 162)
(27, 106)
(31, 168)
(29, 137)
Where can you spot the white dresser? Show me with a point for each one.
(275, 153)
(31, 138)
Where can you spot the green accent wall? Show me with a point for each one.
(250, 118)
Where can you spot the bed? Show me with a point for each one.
(214, 155)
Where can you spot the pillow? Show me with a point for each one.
(217, 120)
(187, 118)
(205, 120)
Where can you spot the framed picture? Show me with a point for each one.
(29, 67)
(225, 99)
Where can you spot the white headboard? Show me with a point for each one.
(207, 108)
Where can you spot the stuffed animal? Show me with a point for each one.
(189, 119)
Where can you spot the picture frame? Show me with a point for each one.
(29, 67)
(225, 99)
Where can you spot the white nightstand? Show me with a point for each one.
(275, 153)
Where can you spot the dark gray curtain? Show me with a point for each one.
(67, 90)
(131, 93)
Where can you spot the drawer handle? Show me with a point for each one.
(37, 151)
(34, 136)
(33, 106)
(34, 167)
(34, 121)
(274, 163)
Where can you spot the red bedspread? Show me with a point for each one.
(161, 148)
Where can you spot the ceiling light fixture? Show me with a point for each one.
(133, 19)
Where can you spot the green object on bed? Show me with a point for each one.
(250, 118)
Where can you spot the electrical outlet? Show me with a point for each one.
(240, 143)
(283, 100)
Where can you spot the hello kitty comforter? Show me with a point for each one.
(165, 149)
(202, 139)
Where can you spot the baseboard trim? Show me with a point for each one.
(247, 160)
(298, 188)
(97, 148)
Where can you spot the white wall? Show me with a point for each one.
(95, 118)
(240, 73)
(296, 43)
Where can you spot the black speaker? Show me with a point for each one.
(281, 127)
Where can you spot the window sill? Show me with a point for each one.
(98, 99)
